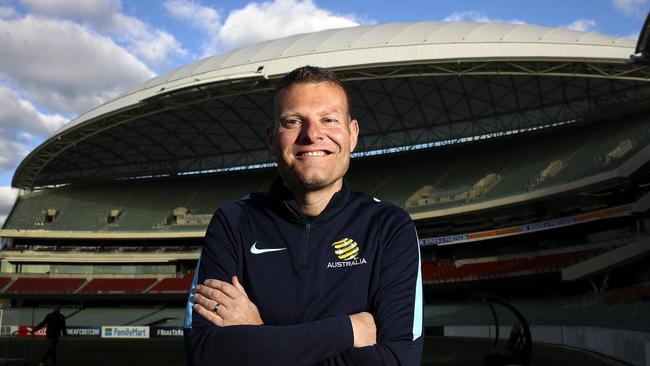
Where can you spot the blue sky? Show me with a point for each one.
(60, 58)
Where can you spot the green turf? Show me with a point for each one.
(438, 351)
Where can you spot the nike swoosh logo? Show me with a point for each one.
(255, 250)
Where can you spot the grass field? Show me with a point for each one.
(438, 351)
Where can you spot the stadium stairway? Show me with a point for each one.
(607, 260)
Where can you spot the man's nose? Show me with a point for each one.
(310, 132)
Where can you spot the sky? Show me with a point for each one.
(60, 58)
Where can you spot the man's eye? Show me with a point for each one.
(290, 122)
(329, 120)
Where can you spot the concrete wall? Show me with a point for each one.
(626, 345)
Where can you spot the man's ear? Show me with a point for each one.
(354, 134)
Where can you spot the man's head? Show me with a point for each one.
(306, 74)
(312, 135)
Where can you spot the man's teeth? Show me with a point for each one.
(314, 153)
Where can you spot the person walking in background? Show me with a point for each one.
(55, 326)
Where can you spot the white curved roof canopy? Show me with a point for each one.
(411, 83)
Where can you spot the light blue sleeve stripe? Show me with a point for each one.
(417, 311)
(187, 322)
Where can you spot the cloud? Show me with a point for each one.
(205, 19)
(583, 25)
(7, 199)
(7, 12)
(477, 16)
(201, 17)
(21, 127)
(21, 119)
(632, 8)
(153, 45)
(280, 18)
(11, 152)
(96, 12)
(64, 66)
(257, 21)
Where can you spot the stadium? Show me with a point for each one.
(522, 153)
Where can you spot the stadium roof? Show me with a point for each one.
(412, 84)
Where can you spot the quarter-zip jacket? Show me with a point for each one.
(307, 275)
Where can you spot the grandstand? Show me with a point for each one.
(521, 152)
(454, 181)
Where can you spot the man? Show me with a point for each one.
(55, 323)
(309, 273)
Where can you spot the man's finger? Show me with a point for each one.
(204, 302)
(238, 286)
(211, 316)
(213, 294)
(201, 300)
(224, 287)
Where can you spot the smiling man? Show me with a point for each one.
(309, 273)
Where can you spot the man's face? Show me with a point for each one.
(313, 135)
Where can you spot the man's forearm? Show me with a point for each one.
(300, 344)
(387, 353)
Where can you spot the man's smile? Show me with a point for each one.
(316, 153)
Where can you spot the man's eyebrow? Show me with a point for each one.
(287, 114)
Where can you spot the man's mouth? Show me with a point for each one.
(313, 153)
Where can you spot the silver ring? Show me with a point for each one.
(215, 308)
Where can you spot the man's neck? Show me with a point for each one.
(312, 203)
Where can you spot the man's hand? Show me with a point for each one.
(235, 308)
(364, 329)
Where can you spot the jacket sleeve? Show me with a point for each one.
(40, 325)
(397, 300)
(207, 344)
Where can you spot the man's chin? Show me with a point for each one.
(310, 184)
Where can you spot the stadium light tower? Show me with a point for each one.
(642, 50)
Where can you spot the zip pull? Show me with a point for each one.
(307, 226)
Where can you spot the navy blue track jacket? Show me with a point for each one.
(306, 276)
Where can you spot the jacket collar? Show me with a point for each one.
(286, 202)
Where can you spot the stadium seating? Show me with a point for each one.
(447, 271)
(591, 156)
(117, 285)
(4, 281)
(168, 285)
(47, 285)
(27, 285)
(511, 165)
(629, 295)
(30, 315)
(108, 316)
